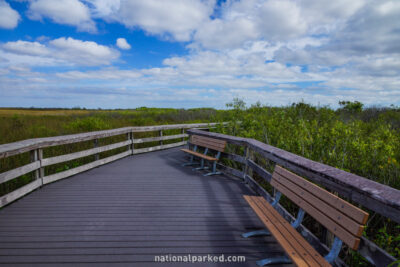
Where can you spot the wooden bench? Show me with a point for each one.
(208, 144)
(340, 217)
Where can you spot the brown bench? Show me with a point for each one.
(208, 144)
(340, 217)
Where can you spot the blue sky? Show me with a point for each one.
(198, 53)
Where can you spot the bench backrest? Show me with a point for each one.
(211, 143)
(339, 216)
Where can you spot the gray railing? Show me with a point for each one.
(38, 162)
(377, 197)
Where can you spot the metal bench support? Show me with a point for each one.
(214, 166)
(191, 162)
(335, 250)
(263, 232)
(274, 260)
(202, 162)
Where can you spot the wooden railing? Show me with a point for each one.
(377, 197)
(38, 162)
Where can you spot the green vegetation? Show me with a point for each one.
(362, 141)
(20, 124)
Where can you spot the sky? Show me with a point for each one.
(198, 53)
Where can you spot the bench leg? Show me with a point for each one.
(201, 166)
(214, 170)
(190, 163)
(212, 173)
(262, 232)
(275, 260)
(335, 250)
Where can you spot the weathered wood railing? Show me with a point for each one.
(38, 162)
(379, 198)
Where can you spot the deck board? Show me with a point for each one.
(126, 212)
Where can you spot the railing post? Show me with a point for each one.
(40, 157)
(246, 166)
(34, 157)
(161, 134)
(133, 144)
(183, 132)
(37, 155)
(129, 138)
(96, 144)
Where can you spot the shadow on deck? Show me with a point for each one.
(129, 211)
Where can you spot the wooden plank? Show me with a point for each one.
(324, 207)
(216, 142)
(22, 191)
(11, 174)
(158, 138)
(345, 207)
(259, 170)
(233, 157)
(200, 155)
(155, 148)
(19, 147)
(64, 174)
(301, 253)
(229, 170)
(331, 225)
(207, 144)
(173, 126)
(289, 248)
(34, 157)
(312, 257)
(84, 153)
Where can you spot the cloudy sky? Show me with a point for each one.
(198, 53)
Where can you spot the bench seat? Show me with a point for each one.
(200, 155)
(297, 248)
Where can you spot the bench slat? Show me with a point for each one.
(200, 155)
(209, 139)
(345, 207)
(214, 144)
(337, 216)
(331, 225)
(296, 247)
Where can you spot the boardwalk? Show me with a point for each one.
(128, 211)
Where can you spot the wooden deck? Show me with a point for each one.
(128, 211)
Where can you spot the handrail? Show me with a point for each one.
(19, 147)
(38, 163)
(380, 198)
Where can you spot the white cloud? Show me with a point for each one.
(69, 12)
(123, 44)
(26, 48)
(103, 8)
(84, 52)
(59, 51)
(280, 20)
(8, 17)
(175, 18)
(219, 33)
